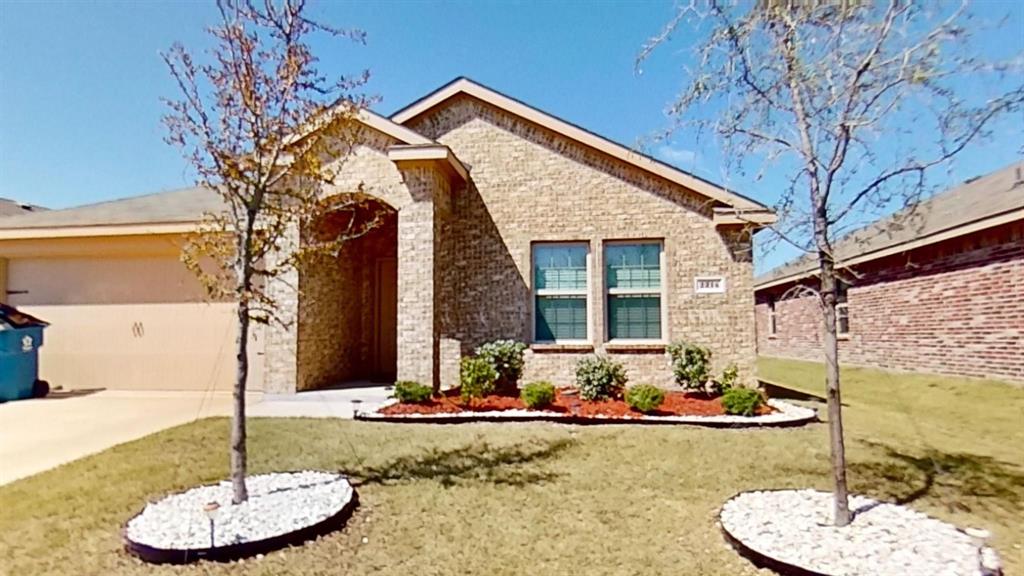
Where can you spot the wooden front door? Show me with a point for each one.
(386, 320)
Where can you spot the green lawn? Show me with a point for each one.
(545, 499)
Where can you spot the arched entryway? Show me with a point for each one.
(348, 303)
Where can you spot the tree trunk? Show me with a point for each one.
(239, 454)
(835, 408)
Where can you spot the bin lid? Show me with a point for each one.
(12, 319)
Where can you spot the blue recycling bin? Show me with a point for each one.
(21, 335)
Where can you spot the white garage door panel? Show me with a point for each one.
(130, 323)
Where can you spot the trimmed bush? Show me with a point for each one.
(742, 401)
(538, 394)
(409, 392)
(645, 398)
(476, 378)
(599, 377)
(690, 365)
(506, 357)
(727, 381)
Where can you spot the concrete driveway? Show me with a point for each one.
(37, 435)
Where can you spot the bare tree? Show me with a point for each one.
(266, 131)
(854, 102)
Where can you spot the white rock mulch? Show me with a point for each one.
(795, 527)
(785, 414)
(279, 503)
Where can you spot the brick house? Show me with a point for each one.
(498, 221)
(939, 288)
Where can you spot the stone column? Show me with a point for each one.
(281, 347)
(417, 354)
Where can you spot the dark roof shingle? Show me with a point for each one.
(175, 206)
(975, 200)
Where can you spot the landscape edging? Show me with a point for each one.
(231, 552)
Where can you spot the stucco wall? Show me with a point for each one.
(953, 308)
(530, 185)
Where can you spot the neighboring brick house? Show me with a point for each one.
(939, 288)
(498, 221)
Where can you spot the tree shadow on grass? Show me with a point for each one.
(502, 465)
(960, 481)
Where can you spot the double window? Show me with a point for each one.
(633, 283)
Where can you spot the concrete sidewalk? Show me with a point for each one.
(37, 435)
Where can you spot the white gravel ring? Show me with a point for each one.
(177, 528)
(791, 532)
(786, 414)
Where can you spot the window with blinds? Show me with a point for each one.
(634, 284)
(560, 286)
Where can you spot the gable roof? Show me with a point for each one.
(463, 85)
(980, 203)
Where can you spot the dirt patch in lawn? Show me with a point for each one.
(568, 403)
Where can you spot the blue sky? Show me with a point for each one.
(80, 82)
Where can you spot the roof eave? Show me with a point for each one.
(939, 236)
(755, 219)
(431, 153)
(83, 231)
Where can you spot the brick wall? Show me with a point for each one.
(336, 306)
(956, 307)
(530, 184)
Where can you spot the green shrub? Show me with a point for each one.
(538, 394)
(506, 357)
(727, 381)
(476, 378)
(599, 377)
(409, 392)
(742, 401)
(690, 365)
(645, 398)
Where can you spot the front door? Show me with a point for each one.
(385, 320)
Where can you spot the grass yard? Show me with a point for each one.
(545, 499)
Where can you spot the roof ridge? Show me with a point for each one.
(126, 198)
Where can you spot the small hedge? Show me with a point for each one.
(690, 365)
(599, 377)
(476, 378)
(742, 401)
(538, 394)
(506, 357)
(727, 381)
(645, 398)
(409, 392)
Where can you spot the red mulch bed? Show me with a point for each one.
(676, 404)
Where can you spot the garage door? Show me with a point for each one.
(129, 323)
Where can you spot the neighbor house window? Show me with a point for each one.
(561, 292)
(634, 283)
(773, 326)
(842, 311)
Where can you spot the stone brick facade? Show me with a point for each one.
(464, 250)
(956, 307)
(529, 184)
